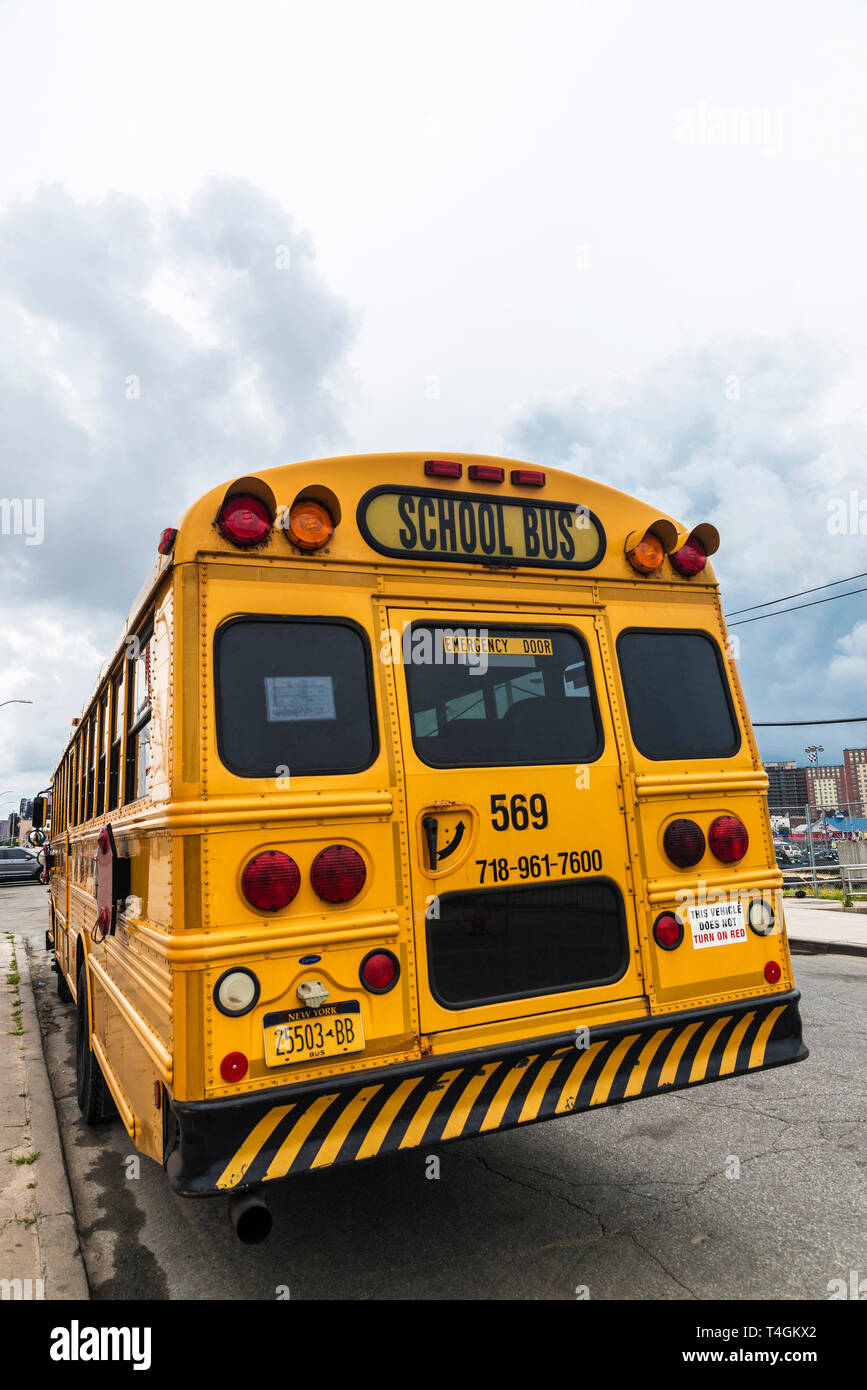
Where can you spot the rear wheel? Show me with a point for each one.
(64, 993)
(94, 1097)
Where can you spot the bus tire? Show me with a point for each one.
(94, 1097)
(64, 993)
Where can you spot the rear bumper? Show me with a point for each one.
(231, 1145)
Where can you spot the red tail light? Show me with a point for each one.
(244, 520)
(683, 842)
(442, 468)
(234, 1066)
(270, 880)
(667, 931)
(690, 559)
(728, 839)
(528, 477)
(338, 873)
(379, 972)
(486, 473)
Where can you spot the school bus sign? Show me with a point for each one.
(425, 524)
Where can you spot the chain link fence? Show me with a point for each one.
(822, 851)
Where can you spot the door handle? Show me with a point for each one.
(430, 827)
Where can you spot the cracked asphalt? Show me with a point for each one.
(635, 1201)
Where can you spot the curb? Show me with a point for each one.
(826, 948)
(56, 1229)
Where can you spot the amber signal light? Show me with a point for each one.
(310, 524)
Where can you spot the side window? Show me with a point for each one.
(103, 747)
(138, 742)
(116, 738)
(91, 764)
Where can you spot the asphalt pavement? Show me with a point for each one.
(750, 1188)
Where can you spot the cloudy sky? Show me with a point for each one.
(619, 238)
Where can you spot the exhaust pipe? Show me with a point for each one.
(250, 1218)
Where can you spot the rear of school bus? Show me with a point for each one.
(475, 831)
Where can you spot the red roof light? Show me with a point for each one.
(486, 473)
(690, 559)
(528, 477)
(167, 540)
(441, 468)
(244, 520)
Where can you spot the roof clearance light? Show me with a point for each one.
(668, 931)
(728, 839)
(244, 520)
(166, 541)
(310, 525)
(647, 555)
(441, 468)
(486, 473)
(683, 842)
(528, 477)
(690, 559)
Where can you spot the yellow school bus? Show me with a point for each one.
(418, 800)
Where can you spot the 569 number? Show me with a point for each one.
(519, 812)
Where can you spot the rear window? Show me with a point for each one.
(294, 693)
(515, 942)
(677, 695)
(495, 696)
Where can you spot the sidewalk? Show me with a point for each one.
(40, 1256)
(817, 925)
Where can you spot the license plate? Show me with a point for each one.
(303, 1035)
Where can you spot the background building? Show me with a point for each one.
(855, 763)
(787, 786)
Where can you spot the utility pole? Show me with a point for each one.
(812, 753)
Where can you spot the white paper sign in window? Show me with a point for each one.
(293, 699)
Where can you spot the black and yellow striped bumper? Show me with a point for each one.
(229, 1145)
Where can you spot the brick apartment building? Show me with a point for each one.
(828, 787)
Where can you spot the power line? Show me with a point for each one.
(800, 594)
(795, 606)
(791, 723)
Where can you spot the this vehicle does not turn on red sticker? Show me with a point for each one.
(717, 924)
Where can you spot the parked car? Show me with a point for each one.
(20, 865)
